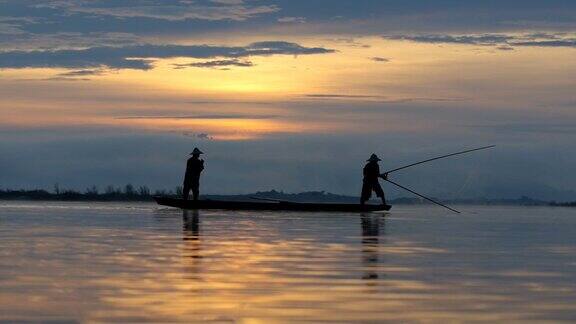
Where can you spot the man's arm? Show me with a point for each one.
(382, 175)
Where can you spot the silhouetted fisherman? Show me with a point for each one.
(370, 182)
(194, 167)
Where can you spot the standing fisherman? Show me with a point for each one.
(194, 167)
(370, 182)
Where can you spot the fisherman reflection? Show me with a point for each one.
(191, 238)
(371, 224)
(191, 220)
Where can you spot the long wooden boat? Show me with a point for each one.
(270, 206)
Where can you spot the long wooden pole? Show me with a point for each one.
(440, 157)
(419, 195)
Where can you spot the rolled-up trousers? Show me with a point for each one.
(191, 183)
(368, 187)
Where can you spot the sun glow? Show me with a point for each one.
(221, 128)
(308, 93)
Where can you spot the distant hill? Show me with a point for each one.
(322, 196)
(309, 196)
(568, 204)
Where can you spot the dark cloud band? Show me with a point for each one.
(502, 40)
(216, 64)
(141, 57)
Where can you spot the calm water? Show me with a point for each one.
(99, 262)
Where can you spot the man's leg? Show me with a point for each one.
(196, 189)
(380, 192)
(366, 193)
(185, 191)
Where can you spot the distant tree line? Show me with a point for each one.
(567, 204)
(128, 192)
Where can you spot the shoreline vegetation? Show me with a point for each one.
(143, 193)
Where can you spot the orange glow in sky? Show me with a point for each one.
(404, 72)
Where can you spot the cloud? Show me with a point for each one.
(350, 42)
(229, 102)
(14, 25)
(212, 116)
(71, 76)
(81, 73)
(65, 40)
(548, 43)
(279, 47)
(228, 2)
(340, 96)
(486, 39)
(200, 136)
(10, 29)
(216, 64)
(11, 26)
(59, 78)
(367, 17)
(379, 59)
(170, 10)
(503, 41)
(115, 157)
(98, 35)
(530, 127)
(142, 57)
(299, 20)
(375, 98)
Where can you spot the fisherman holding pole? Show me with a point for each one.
(370, 182)
(194, 167)
(372, 173)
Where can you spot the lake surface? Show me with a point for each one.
(104, 262)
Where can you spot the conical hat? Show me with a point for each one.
(196, 151)
(374, 157)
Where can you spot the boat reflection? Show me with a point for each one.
(372, 227)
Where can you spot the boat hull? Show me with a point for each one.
(270, 206)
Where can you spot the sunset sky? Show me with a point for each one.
(288, 94)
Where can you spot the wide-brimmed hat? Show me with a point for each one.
(196, 151)
(374, 157)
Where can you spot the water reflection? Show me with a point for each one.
(115, 264)
(372, 227)
(191, 221)
(191, 238)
